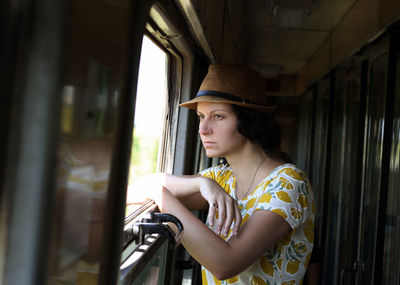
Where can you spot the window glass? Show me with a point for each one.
(94, 73)
(344, 181)
(304, 131)
(336, 180)
(373, 165)
(318, 151)
(391, 262)
(153, 263)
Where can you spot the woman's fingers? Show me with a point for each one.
(230, 215)
(221, 216)
(222, 203)
(238, 219)
(211, 213)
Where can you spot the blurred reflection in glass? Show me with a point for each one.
(95, 68)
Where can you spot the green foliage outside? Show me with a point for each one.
(144, 154)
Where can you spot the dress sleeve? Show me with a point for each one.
(209, 172)
(214, 172)
(287, 195)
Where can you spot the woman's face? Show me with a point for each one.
(218, 129)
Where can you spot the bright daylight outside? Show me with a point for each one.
(149, 113)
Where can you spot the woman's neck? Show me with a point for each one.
(245, 160)
(249, 167)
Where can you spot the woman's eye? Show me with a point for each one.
(201, 117)
(218, 116)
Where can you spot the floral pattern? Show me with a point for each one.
(286, 191)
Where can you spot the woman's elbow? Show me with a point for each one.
(225, 273)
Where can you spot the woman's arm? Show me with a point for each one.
(185, 188)
(226, 258)
(195, 192)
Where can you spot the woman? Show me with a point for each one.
(260, 224)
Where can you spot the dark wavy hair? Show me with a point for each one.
(262, 128)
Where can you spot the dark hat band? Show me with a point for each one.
(223, 95)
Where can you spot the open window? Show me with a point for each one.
(149, 243)
(160, 144)
(148, 139)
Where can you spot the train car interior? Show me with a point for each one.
(90, 103)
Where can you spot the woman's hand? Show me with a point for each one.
(218, 199)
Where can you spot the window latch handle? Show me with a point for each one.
(157, 223)
(355, 268)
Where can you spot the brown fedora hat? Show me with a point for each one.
(233, 84)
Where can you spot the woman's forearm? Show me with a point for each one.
(181, 186)
(185, 188)
(195, 193)
(203, 244)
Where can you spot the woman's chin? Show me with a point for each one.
(213, 154)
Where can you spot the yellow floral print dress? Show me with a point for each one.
(286, 191)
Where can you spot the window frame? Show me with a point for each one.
(178, 155)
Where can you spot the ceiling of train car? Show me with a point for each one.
(284, 34)
(277, 37)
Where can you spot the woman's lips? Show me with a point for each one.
(208, 143)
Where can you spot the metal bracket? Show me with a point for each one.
(157, 223)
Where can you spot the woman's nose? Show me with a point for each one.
(204, 127)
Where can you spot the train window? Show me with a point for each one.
(149, 119)
(373, 163)
(343, 184)
(94, 76)
(391, 262)
(305, 130)
(319, 146)
(159, 144)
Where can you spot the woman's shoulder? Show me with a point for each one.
(288, 175)
(291, 171)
